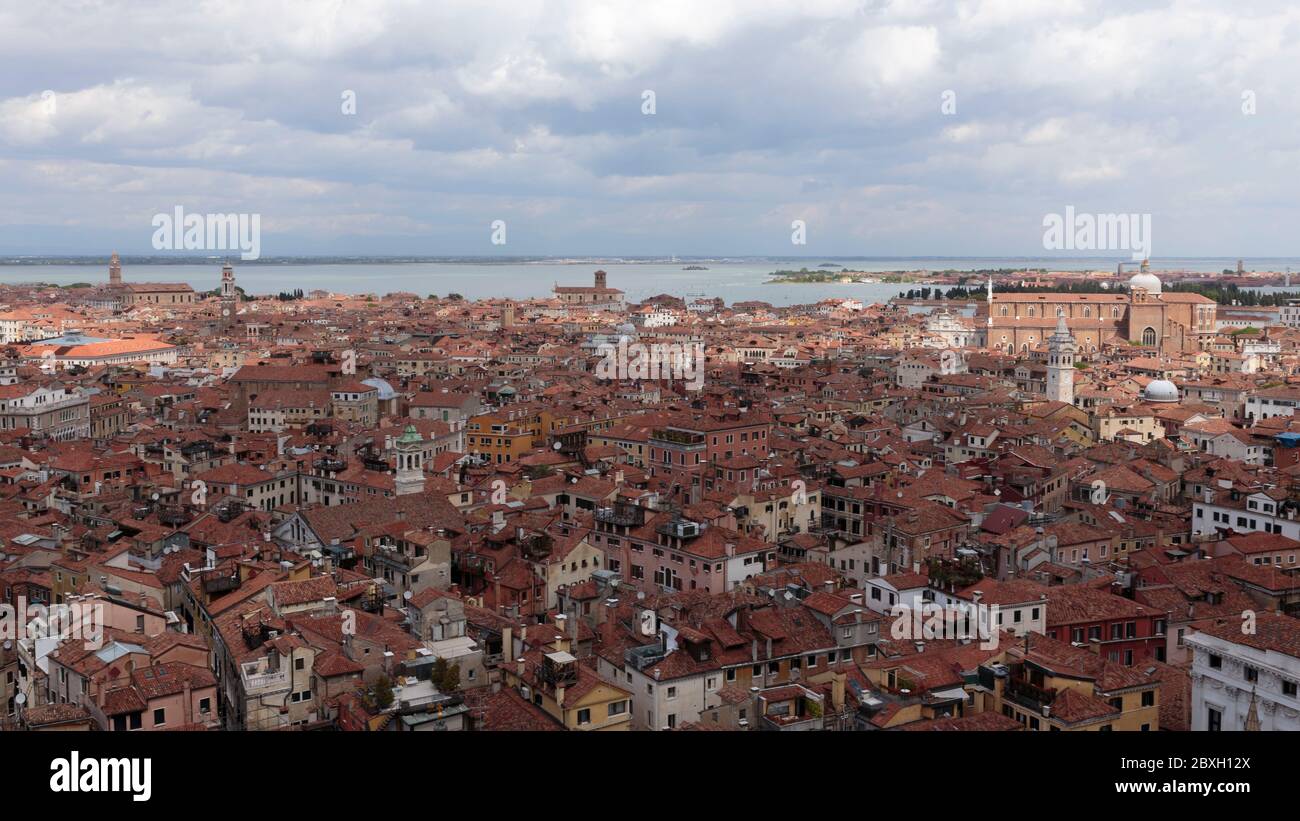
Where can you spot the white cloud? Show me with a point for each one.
(470, 110)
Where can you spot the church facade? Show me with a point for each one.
(1167, 322)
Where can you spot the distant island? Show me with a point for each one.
(805, 275)
(695, 268)
(844, 275)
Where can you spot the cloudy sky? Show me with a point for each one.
(826, 111)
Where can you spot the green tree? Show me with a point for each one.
(382, 693)
(446, 677)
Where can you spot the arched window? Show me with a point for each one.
(1149, 336)
(1003, 310)
(1031, 310)
(1087, 311)
(1114, 312)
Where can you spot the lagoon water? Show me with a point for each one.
(732, 281)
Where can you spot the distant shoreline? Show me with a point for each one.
(1031, 263)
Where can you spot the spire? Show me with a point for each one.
(1252, 714)
(1061, 327)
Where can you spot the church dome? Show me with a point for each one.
(1160, 390)
(1147, 282)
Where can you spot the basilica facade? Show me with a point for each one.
(1146, 316)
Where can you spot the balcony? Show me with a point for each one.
(536, 546)
(678, 438)
(219, 581)
(645, 655)
(791, 707)
(621, 515)
(1028, 694)
(394, 557)
(274, 680)
(174, 515)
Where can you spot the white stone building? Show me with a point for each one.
(1246, 676)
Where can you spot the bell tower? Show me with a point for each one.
(1060, 363)
(410, 462)
(115, 271)
(229, 297)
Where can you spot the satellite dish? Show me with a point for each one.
(557, 446)
(154, 497)
(406, 595)
(20, 699)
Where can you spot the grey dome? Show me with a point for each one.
(1148, 282)
(1161, 390)
(385, 390)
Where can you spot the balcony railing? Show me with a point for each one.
(1030, 695)
(621, 515)
(264, 681)
(679, 437)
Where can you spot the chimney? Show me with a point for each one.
(519, 667)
